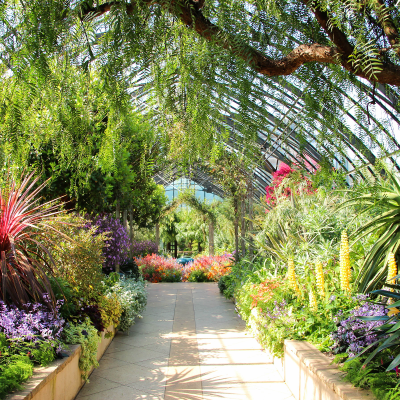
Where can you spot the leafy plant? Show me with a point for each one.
(132, 297)
(130, 267)
(87, 336)
(110, 310)
(385, 226)
(15, 368)
(384, 385)
(79, 262)
(24, 257)
(198, 275)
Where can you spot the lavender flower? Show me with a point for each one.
(141, 249)
(118, 242)
(353, 334)
(37, 323)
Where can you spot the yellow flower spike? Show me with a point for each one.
(393, 311)
(292, 276)
(345, 271)
(313, 301)
(392, 270)
(320, 279)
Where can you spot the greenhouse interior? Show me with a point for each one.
(200, 200)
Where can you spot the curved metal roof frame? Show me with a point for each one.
(196, 174)
(281, 137)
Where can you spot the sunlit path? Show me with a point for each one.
(190, 345)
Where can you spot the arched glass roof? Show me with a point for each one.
(350, 123)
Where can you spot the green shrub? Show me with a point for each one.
(198, 275)
(171, 275)
(64, 291)
(384, 385)
(88, 337)
(15, 368)
(79, 262)
(132, 296)
(226, 285)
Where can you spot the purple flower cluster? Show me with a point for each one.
(35, 323)
(118, 242)
(141, 249)
(280, 310)
(353, 334)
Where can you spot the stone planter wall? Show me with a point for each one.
(310, 375)
(62, 379)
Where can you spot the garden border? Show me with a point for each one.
(62, 379)
(310, 375)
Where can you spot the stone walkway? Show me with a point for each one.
(190, 345)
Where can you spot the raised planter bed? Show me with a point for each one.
(62, 379)
(311, 376)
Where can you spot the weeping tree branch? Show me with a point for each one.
(388, 26)
(189, 12)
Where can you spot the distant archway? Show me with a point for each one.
(188, 198)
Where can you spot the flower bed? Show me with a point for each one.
(37, 336)
(207, 268)
(155, 268)
(62, 379)
(52, 283)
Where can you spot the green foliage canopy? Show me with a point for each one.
(194, 67)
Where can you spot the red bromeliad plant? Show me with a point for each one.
(23, 254)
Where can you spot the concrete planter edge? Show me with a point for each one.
(61, 380)
(311, 376)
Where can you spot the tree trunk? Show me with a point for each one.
(131, 231)
(125, 220)
(158, 236)
(236, 225)
(211, 239)
(117, 212)
(243, 227)
(251, 247)
(117, 217)
(176, 249)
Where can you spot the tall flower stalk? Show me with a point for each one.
(320, 279)
(392, 272)
(313, 301)
(345, 271)
(292, 277)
